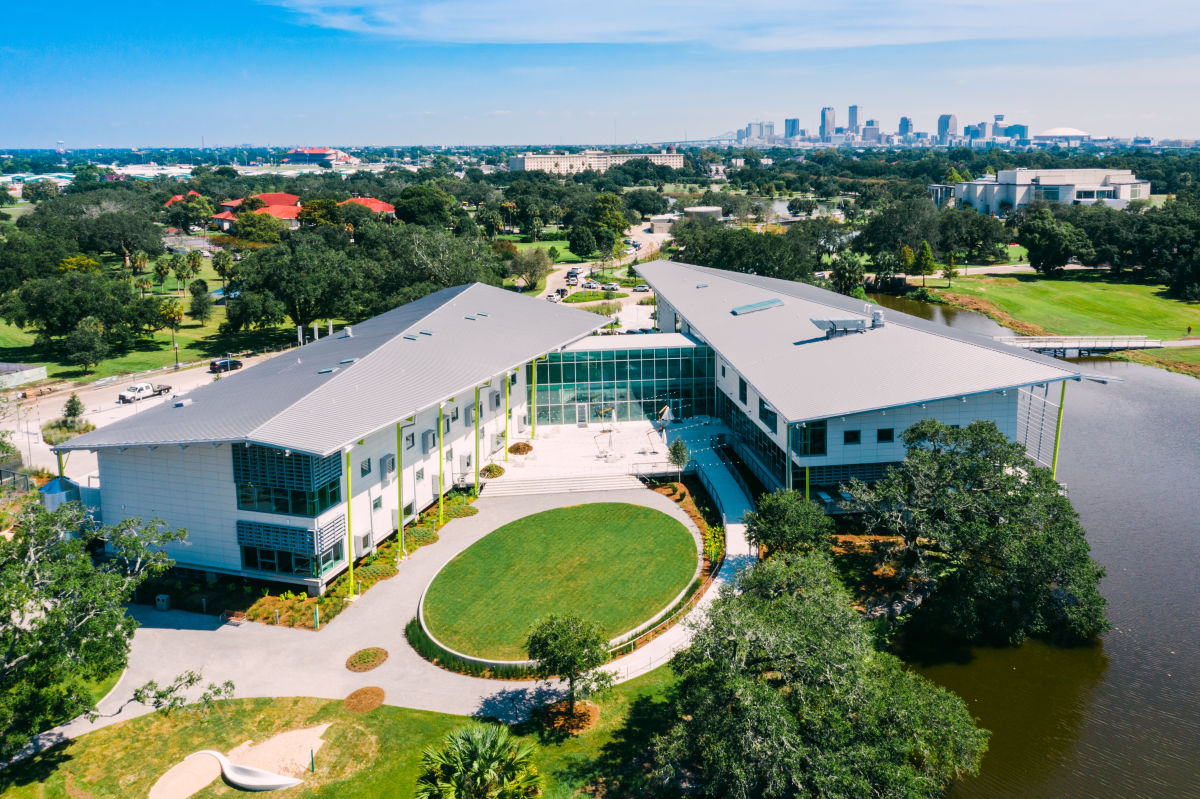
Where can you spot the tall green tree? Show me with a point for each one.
(425, 205)
(581, 241)
(949, 271)
(530, 266)
(847, 273)
(39, 191)
(989, 533)
(85, 345)
(162, 270)
(571, 648)
(785, 522)
(224, 266)
(480, 761)
(1052, 243)
(925, 264)
(782, 693)
(262, 228)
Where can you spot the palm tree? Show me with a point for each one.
(139, 261)
(480, 761)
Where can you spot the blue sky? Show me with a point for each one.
(472, 72)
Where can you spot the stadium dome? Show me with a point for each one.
(1063, 133)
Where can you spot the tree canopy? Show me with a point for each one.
(781, 693)
(989, 533)
(573, 649)
(785, 522)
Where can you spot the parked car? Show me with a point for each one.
(140, 391)
(641, 287)
(553, 297)
(572, 281)
(224, 365)
(611, 287)
(591, 284)
(562, 292)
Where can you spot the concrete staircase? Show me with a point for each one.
(560, 485)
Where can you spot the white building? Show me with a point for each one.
(596, 160)
(1014, 188)
(812, 387)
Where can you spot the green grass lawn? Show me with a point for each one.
(565, 256)
(590, 295)
(1083, 304)
(612, 563)
(364, 756)
(1185, 360)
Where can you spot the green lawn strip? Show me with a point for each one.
(612, 563)
(364, 756)
(1184, 360)
(565, 256)
(591, 295)
(1082, 304)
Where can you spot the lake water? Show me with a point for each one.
(1120, 719)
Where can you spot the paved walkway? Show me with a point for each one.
(268, 661)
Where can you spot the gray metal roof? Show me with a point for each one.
(321, 396)
(805, 376)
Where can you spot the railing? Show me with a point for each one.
(11, 479)
(733, 469)
(1081, 342)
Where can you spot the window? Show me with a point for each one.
(278, 561)
(767, 416)
(420, 475)
(741, 391)
(454, 414)
(512, 379)
(851, 437)
(446, 424)
(809, 439)
(364, 468)
(410, 440)
(885, 435)
(722, 370)
(377, 503)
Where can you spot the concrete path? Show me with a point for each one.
(268, 661)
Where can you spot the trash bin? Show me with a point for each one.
(163, 601)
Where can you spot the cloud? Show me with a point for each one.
(776, 25)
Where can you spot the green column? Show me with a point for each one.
(787, 454)
(1058, 431)
(533, 403)
(441, 468)
(475, 463)
(400, 487)
(806, 482)
(349, 526)
(506, 415)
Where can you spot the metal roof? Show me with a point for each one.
(785, 355)
(324, 395)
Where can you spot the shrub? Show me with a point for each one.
(922, 294)
(491, 471)
(427, 648)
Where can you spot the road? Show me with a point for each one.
(101, 408)
(651, 243)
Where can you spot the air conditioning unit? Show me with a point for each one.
(362, 543)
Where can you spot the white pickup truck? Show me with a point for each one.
(140, 391)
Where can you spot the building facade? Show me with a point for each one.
(1010, 189)
(828, 123)
(595, 160)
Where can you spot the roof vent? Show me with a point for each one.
(840, 327)
(701, 285)
(349, 360)
(876, 318)
(183, 403)
(426, 332)
(347, 332)
(327, 370)
(410, 336)
(481, 313)
(742, 310)
(469, 318)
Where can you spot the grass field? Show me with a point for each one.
(565, 256)
(612, 563)
(1185, 360)
(590, 295)
(1083, 304)
(365, 756)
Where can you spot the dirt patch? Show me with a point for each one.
(366, 659)
(558, 719)
(988, 309)
(364, 699)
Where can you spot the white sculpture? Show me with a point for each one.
(248, 778)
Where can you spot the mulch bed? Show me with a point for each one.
(521, 448)
(364, 699)
(366, 659)
(557, 718)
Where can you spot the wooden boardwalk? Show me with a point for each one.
(1060, 345)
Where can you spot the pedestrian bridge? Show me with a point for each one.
(1084, 345)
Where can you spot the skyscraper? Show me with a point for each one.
(906, 126)
(853, 124)
(947, 127)
(828, 123)
(791, 128)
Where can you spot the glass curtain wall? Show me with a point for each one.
(624, 384)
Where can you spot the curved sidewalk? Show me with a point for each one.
(268, 661)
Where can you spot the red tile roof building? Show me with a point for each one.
(378, 206)
(178, 198)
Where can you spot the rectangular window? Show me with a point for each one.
(420, 475)
(722, 370)
(364, 468)
(454, 414)
(446, 425)
(377, 503)
(850, 437)
(410, 440)
(885, 435)
(767, 416)
(741, 391)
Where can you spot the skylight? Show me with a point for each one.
(763, 305)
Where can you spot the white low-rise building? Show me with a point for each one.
(1010, 189)
(594, 160)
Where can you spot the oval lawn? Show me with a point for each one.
(612, 563)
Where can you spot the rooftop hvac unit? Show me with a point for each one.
(840, 327)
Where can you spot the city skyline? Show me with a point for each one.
(334, 72)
